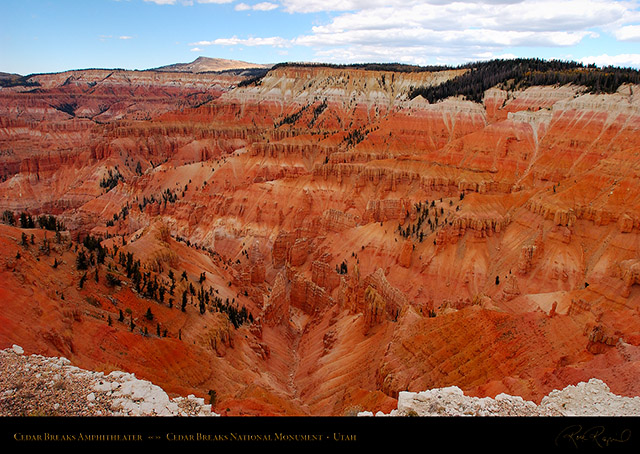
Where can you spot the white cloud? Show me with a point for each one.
(314, 6)
(432, 31)
(415, 55)
(263, 6)
(632, 60)
(187, 2)
(628, 33)
(108, 37)
(274, 41)
(196, 49)
(534, 15)
(418, 37)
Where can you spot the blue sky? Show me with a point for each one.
(56, 35)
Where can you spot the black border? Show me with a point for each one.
(561, 433)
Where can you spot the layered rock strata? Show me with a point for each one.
(323, 243)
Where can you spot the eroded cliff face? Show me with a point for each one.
(379, 244)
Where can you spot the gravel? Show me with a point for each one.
(593, 398)
(34, 385)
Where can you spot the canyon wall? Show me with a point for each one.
(324, 243)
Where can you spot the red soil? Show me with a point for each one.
(524, 279)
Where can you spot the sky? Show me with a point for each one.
(41, 36)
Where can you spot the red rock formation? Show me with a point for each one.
(276, 310)
(404, 259)
(324, 275)
(379, 243)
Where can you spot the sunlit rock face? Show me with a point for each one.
(323, 241)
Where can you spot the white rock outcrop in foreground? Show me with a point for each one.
(38, 385)
(136, 397)
(584, 399)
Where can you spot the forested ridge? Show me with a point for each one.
(523, 73)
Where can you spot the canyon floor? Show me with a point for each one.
(314, 240)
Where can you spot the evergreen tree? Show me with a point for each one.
(82, 280)
(82, 263)
(26, 221)
(212, 397)
(523, 73)
(8, 218)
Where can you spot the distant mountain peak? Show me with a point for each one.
(206, 64)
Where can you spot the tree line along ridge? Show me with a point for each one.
(522, 73)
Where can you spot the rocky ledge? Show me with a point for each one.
(34, 385)
(584, 399)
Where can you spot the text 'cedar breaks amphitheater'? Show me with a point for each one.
(315, 239)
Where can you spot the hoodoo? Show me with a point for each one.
(326, 239)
